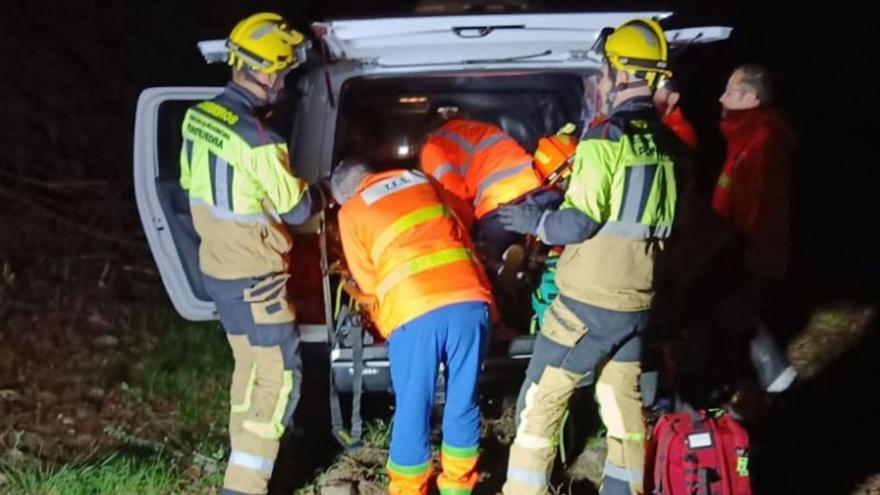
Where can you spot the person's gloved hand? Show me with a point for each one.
(547, 198)
(522, 218)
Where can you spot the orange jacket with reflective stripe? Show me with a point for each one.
(479, 163)
(404, 246)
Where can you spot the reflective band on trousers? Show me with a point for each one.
(416, 470)
(629, 475)
(527, 476)
(248, 392)
(283, 400)
(420, 264)
(454, 490)
(250, 461)
(402, 224)
(274, 428)
(634, 437)
(529, 441)
(460, 452)
(497, 176)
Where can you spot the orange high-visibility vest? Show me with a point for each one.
(479, 163)
(404, 246)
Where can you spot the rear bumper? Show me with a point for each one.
(501, 364)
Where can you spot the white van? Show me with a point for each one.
(525, 72)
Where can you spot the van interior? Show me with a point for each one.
(385, 119)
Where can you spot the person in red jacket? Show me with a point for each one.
(753, 194)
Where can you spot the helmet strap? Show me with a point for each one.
(632, 85)
(272, 90)
(275, 88)
(249, 75)
(612, 95)
(617, 87)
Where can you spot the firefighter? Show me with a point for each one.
(614, 221)
(405, 247)
(242, 192)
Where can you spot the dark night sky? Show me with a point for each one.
(73, 69)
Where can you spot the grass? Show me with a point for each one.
(177, 442)
(193, 361)
(377, 435)
(115, 474)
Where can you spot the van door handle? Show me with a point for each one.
(472, 32)
(481, 31)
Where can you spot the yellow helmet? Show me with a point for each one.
(263, 42)
(639, 46)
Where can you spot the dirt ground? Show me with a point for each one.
(62, 370)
